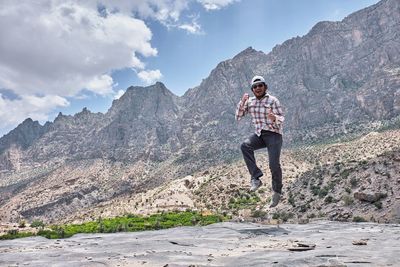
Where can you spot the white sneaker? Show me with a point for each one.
(275, 199)
(255, 184)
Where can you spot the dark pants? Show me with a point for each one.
(273, 142)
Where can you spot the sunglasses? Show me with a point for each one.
(257, 85)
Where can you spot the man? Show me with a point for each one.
(267, 117)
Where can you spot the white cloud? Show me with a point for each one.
(164, 11)
(150, 76)
(101, 85)
(193, 27)
(57, 48)
(215, 4)
(15, 111)
(119, 94)
(65, 47)
(60, 47)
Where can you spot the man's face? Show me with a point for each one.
(259, 89)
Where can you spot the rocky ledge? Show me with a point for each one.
(320, 243)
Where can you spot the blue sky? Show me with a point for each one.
(66, 55)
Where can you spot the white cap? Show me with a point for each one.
(257, 79)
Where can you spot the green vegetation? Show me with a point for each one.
(37, 224)
(315, 189)
(128, 223)
(359, 219)
(378, 204)
(12, 234)
(345, 173)
(244, 201)
(353, 182)
(258, 213)
(348, 200)
(311, 216)
(322, 192)
(284, 216)
(291, 200)
(393, 123)
(329, 199)
(304, 208)
(22, 224)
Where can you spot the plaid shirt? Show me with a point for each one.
(258, 110)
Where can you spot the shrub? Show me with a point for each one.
(37, 224)
(258, 213)
(291, 200)
(328, 199)
(12, 234)
(378, 204)
(348, 200)
(359, 219)
(311, 215)
(353, 182)
(48, 234)
(284, 216)
(323, 192)
(304, 208)
(22, 224)
(244, 201)
(345, 173)
(315, 189)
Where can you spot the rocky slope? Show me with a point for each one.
(341, 181)
(341, 79)
(354, 180)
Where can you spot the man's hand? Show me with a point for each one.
(271, 116)
(245, 97)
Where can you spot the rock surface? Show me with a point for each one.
(224, 244)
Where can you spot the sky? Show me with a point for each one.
(64, 55)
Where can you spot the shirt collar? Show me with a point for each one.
(265, 96)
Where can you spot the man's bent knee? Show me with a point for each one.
(244, 146)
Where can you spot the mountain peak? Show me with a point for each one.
(248, 51)
(83, 112)
(159, 84)
(27, 121)
(23, 135)
(321, 27)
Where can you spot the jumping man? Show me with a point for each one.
(267, 117)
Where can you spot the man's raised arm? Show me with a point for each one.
(242, 107)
